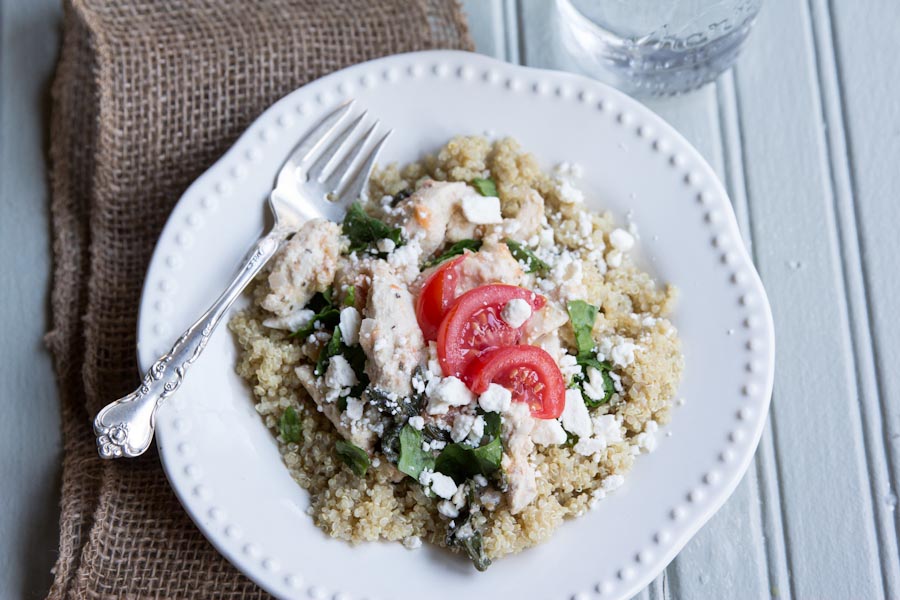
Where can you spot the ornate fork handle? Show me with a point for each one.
(125, 427)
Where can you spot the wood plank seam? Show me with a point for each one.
(768, 476)
(855, 279)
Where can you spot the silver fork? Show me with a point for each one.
(323, 174)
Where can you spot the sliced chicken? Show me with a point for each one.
(390, 334)
(352, 431)
(544, 321)
(434, 212)
(305, 265)
(517, 426)
(530, 218)
(492, 264)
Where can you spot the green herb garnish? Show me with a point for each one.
(364, 231)
(353, 456)
(470, 540)
(291, 428)
(522, 254)
(485, 187)
(326, 314)
(350, 296)
(454, 250)
(582, 315)
(462, 462)
(413, 460)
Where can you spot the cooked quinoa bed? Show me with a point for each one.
(632, 308)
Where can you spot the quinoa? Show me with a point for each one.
(385, 506)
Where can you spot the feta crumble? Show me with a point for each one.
(548, 432)
(575, 417)
(417, 422)
(516, 312)
(449, 391)
(481, 210)
(495, 399)
(350, 322)
(339, 374)
(442, 485)
(621, 240)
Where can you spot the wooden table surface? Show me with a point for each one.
(805, 132)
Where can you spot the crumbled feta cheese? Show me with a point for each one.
(405, 260)
(622, 353)
(462, 426)
(481, 210)
(385, 245)
(614, 259)
(495, 398)
(568, 193)
(548, 432)
(588, 446)
(450, 391)
(607, 428)
(350, 322)
(355, 407)
(412, 542)
(292, 322)
(442, 485)
(567, 277)
(575, 416)
(594, 386)
(477, 431)
(649, 321)
(339, 374)
(516, 312)
(646, 440)
(446, 508)
(417, 422)
(480, 480)
(569, 367)
(460, 497)
(546, 238)
(609, 484)
(621, 240)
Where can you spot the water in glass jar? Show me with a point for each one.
(656, 47)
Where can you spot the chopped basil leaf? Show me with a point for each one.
(332, 348)
(485, 187)
(582, 315)
(454, 250)
(571, 439)
(461, 462)
(470, 540)
(291, 429)
(364, 231)
(589, 361)
(522, 254)
(491, 425)
(350, 296)
(354, 457)
(413, 460)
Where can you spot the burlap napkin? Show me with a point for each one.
(147, 95)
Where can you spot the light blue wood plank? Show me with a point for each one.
(816, 420)
(869, 81)
(487, 26)
(859, 98)
(29, 412)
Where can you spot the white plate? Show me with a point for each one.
(223, 463)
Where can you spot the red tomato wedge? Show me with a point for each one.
(473, 325)
(436, 296)
(528, 372)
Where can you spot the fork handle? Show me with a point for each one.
(125, 427)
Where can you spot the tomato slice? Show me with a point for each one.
(436, 296)
(473, 325)
(528, 372)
